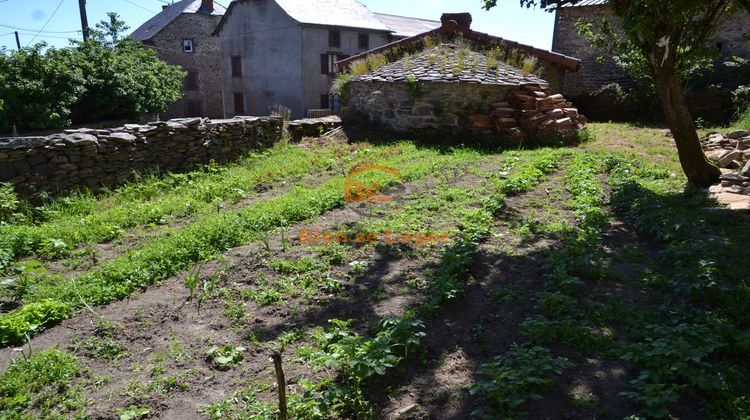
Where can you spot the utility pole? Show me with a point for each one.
(18, 41)
(84, 20)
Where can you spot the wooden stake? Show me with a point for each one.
(276, 357)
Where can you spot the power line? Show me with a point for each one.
(138, 5)
(34, 30)
(47, 22)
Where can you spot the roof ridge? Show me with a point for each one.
(408, 17)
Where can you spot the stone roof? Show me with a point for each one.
(586, 3)
(448, 63)
(407, 26)
(154, 25)
(451, 27)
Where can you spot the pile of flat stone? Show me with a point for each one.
(534, 111)
(732, 153)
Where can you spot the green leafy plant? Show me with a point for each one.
(515, 377)
(42, 386)
(226, 357)
(133, 413)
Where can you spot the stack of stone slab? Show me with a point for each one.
(534, 112)
(732, 154)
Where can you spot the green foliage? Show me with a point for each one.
(414, 87)
(38, 86)
(42, 385)
(108, 77)
(515, 377)
(8, 203)
(133, 413)
(673, 357)
(31, 319)
(361, 358)
(225, 358)
(121, 78)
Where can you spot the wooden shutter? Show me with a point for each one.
(236, 65)
(239, 103)
(324, 64)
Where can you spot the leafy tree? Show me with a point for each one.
(107, 77)
(122, 79)
(666, 38)
(37, 88)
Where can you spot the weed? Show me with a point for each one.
(226, 357)
(133, 413)
(43, 386)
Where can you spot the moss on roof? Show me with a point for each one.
(449, 60)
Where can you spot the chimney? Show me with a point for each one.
(207, 6)
(462, 19)
(164, 6)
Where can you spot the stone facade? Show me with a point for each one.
(284, 61)
(202, 95)
(446, 107)
(97, 158)
(593, 74)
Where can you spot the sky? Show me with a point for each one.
(59, 20)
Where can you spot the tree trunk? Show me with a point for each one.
(697, 168)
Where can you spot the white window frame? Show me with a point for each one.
(188, 46)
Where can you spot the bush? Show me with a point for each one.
(38, 88)
(104, 78)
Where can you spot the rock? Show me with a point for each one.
(735, 189)
(715, 154)
(716, 138)
(121, 138)
(728, 156)
(738, 134)
(746, 170)
(735, 178)
(733, 201)
(80, 139)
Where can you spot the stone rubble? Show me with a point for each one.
(732, 154)
(534, 112)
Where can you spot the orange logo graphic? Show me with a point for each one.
(357, 192)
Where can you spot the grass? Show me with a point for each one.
(675, 322)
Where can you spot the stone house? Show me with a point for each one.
(593, 74)
(283, 52)
(453, 80)
(181, 34)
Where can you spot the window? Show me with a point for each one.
(236, 65)
(334, 39)
(239, 103)
(324, 101)
(187, 46)
(191, 81)
(363, 40)
(328, 62)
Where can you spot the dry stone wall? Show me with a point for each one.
(405, 107)
(98, 158)
(732, 154)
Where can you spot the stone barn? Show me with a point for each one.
(454, 81)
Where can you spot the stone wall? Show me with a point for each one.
(594, 75)
(507, 113)
(97, 158)
(400, 107)
(204, 99)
